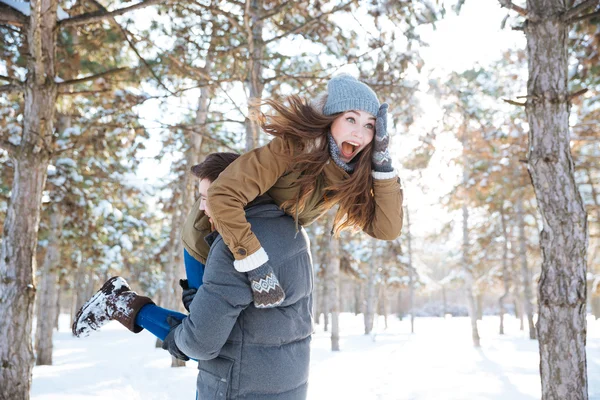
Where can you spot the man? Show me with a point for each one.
(243, 352)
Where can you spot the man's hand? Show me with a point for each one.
(169, 342)
(188, 294)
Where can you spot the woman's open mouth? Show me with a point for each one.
(349, 149)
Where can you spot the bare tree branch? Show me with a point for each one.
(93, 77)
(14, 81)
(514, 103)
(10, 16)
(275, 10)
(511, 6)
(584, 17)
(11, 88)
(570, 15)
(577, 93)
(104, 14)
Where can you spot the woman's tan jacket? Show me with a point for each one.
(267, 170)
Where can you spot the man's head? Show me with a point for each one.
(208, 171)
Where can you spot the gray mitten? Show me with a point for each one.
(169, 342)
(382, 162)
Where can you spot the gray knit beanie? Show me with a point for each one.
(344, 93)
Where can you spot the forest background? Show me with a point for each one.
(105, 105)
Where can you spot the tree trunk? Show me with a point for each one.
(479, 299)
(30, 161)
(333, 277)
(444, 301)
(411, 274)
(505, 272)
(526, 276)
(563, 240)
(47, 311)
(358, 298)
(469, 279)
(371, 292)
(254, 82)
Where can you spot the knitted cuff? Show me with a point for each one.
(384, 175)
(251, 262)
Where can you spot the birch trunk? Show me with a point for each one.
(254, 31)
(30, 161)
(48, 291)
(371, 292)
(564, 238)
(333, 277)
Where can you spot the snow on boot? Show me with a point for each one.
(114, 301)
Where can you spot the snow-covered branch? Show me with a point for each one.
(12, 13)
(102, 15)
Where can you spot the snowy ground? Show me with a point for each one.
(437, 362)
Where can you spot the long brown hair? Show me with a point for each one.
(304, 130)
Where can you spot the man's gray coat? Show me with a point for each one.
(245, 352)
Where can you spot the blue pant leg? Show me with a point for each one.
(154, 319)
(194, 270)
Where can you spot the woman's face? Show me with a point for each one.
(352, 132)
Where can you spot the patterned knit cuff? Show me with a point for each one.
(384, 175)
(251, 262)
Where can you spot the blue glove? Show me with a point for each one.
(382, 162)
(169, 342)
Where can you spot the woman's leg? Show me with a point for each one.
(154, 319)
(194, 270)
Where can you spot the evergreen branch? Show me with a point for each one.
(100, 15)
(93, 77)
(511, 6)
(309, 22)
(584, 17)
(131, 45)
(10, 16)
(571, 14)
(514, 103)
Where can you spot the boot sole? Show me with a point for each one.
(82, 330)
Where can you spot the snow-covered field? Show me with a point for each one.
(437, 362)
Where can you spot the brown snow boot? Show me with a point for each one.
(114, 301)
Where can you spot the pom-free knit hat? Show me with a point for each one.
(344, 93)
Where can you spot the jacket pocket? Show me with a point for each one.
(214, 379)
